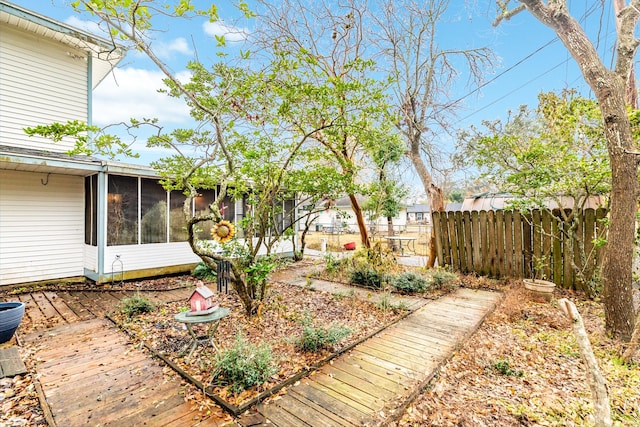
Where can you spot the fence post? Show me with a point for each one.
(476, 241)
(518, 254)
(466, 220)
(500, 244)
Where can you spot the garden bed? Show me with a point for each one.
(280, 325)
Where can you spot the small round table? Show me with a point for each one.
(213, 321)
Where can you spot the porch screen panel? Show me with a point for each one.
(177, 221)
(153, 212)
(122, 210)
(91, 210)
(228, 208)
(289, 213)
(202, 202)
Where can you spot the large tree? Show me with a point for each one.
(326, 42)
(609, 87)
(423, 71)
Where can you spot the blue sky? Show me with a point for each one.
(531, 61)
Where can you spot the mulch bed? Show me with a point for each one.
(279, 325)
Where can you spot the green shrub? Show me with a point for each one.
(367, 277)
(243, 365)
(386, 303)
(203, 271)
(443, 278)
(410, 282)
(315, 338)
(333, 264)
(136, 304)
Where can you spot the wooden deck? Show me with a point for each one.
(91, 375)
(384, 373)
(48, 309)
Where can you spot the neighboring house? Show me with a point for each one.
(339, 216)
(66, 217)
(420, 213)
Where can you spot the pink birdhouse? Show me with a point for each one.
(201, 298)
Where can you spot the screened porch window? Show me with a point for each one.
(122, 210)
(91, 210)
(153, 211)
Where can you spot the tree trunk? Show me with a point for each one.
(597, 383)
(436, 198)
(362, 225)
(617, 269)
(609, 88)
(436, 202)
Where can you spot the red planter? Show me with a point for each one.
(350, 246)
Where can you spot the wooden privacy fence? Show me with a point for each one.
(509, 244)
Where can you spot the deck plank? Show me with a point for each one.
(75, 305)
(329, 418)
(49, 311)
(61, 306)
(329, 403)
(10, 362)
(348, 392)
(33, 312)
(356, 370)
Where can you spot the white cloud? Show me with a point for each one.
(166, 50)
(88, 26)
(230, 33)
(133, 92)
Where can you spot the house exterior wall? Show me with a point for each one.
(42, 82)
(41, 227)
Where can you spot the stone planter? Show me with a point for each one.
(540, 288)
(10, 317)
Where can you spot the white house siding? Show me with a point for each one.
(151, 255)
(42, 82)
(91, 258)
(41, 226)
(160, 255)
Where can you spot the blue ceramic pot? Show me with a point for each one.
(10, 317)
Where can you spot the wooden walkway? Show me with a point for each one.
(48, 309)
(92, 376)
(382, 375)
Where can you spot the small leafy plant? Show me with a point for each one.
(502, 367)
(136, 304)
(243, 365)
(203, 271)
(442, 278)
(410, 282)
(385, 303)
(316, 338)
(367, 277)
